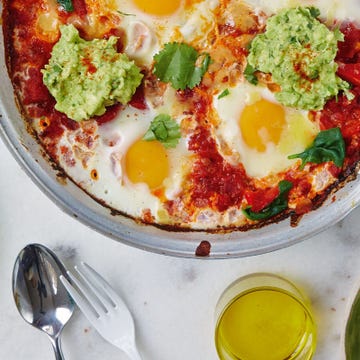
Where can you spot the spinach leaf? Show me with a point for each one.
(275, 207)
(66, 4)
(328, 145)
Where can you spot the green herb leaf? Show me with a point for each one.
(315, 12)
(328, 145)
(164, 129)
(226, 92)
(275, 207)
(352, 333)
(124, 13)
(177, 64)
(249, 74)
(66, 4)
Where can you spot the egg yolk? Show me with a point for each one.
(147, 162)
(158, 7)
(261, 123)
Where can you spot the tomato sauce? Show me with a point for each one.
(260, 198)
(138, 99)
(110, 114)
(215, 182)
(349, 49)
(342, 112)
(80, 7)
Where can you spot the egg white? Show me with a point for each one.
(116, 138)
(147, 34)
(200, 20)
(294, 138)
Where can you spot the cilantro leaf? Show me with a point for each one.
(315, 12)
(164, 129)
(66, 4)
(328, 145)
(275, 207)
(249, 74)
(226, 92)
(178, 63)
(124, 13)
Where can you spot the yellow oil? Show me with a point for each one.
(265, 324)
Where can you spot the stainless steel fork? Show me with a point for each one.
(104, 308)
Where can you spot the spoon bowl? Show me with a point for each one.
(39, 295)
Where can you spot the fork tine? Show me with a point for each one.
(99, 304)
(118, 326)
(102, 298)
(80, 301)
(102, 283)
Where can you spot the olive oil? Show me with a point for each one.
(265, 323)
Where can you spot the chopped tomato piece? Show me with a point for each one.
(259, 199)
(80, 7)
(350, 73)
(138, 99)
(110, 114)
(350, 48)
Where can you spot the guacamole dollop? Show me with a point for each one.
(87, 76)
(299, 52)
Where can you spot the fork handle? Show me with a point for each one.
(55, 342)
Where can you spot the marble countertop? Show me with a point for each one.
(172, 299)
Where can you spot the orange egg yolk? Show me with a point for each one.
(147, 162)
(158, 7)
(261, 123)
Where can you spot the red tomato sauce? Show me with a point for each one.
(260, 198)
(341, 112)
(80, 7)
(215, 182)
(138, 100)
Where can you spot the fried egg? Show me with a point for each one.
(149, 25)
(131, 173)
(260, 131)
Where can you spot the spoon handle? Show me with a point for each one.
(55, 342)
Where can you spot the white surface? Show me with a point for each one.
(172, 299)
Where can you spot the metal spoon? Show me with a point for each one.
(40, 297)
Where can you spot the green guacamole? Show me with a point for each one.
(299, 52)
(86, 76)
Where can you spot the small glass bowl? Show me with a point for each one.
(264, 317)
